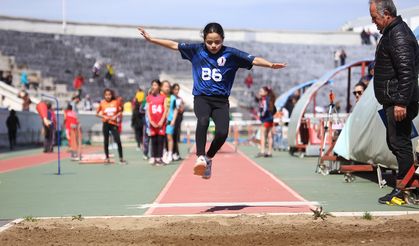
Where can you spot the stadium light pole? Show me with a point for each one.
(63, 5)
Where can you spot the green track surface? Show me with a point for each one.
(89, 189)
(331, 190)
(16, 153)
(93, 189)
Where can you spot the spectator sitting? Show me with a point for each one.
(74, 102)
(26, 100)
(78, 83)
(96, 69)
(249, 81)
(8, 79)
(87, 103)
(359, 90)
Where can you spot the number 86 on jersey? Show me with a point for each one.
(214, 74)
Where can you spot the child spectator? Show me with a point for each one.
(266, 112)
(156, 114)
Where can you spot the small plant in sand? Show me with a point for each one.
(319, 213)
(367, 216)
(29, 219)
(78, 217)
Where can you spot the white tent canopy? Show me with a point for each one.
(363, 138)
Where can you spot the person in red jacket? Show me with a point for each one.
(78, 84)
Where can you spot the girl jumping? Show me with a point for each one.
(214, 68)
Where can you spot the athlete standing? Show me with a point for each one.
(109, 110)
(214, 67)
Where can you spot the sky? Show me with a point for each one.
(298, 15)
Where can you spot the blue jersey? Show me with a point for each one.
(213, 74)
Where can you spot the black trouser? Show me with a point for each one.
(218, 109)
(146, 142)
(398, 138)
(139, 131)
(114, 131)
(157, 145)
(49, 132)
(176, 134)
(12, 138)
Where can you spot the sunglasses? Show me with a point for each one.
(357, 93)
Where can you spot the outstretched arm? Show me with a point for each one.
(162, 42)
(261, 62)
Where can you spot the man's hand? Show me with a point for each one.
(144, 33)
(400, 112)
(46, 122)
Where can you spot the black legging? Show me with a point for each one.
(218, 109)
(139, 131)
(157, 144)
(114, 131)
(12, 138)
(176, 133)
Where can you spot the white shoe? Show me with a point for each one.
(145, 157)
(200, 166)
(176, 157)
(167, 159)
(152, 161)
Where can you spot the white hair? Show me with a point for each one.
(383, 5)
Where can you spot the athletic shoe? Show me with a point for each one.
(152, 161)
(159, 162)
(207, 173)
(167, 159)
(394, 193)
(123, 162)
(267, 155)
(145, 157)
(200, 166)
(176, 157)
(260, 155)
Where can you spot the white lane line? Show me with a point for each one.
(226, 204)
(167, 187)
(10, 224)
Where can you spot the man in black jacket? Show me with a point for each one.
(396, 85)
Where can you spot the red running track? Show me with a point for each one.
(235, 179)
(21, 162)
